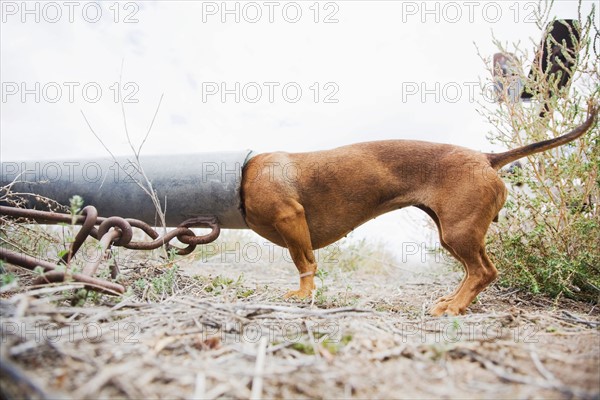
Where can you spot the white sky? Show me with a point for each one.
(373, 53)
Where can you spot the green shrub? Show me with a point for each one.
(548, 237)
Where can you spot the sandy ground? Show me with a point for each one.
(217, 327)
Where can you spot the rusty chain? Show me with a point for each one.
(111, 231)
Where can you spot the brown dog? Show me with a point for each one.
(305, 201)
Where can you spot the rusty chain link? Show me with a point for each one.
(112, 231)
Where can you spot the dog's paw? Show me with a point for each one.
(298, 294)
(445, 308)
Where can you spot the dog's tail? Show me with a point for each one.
(498, 160)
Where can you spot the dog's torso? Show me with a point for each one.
(343, 188)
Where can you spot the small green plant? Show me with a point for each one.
(305, 348)
(320, 294)
(80, 297)
(38, 270)
(140, 284)
(6, 278)
(172, 254)
(244, 293)
(130, 292)
(75, 207)
(218, 285)
(455, 330)
(354, 255)
(63, 253)
(164, 284)
(334, 346)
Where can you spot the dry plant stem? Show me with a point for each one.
(257, 382)
(147, 185)
(151, 192)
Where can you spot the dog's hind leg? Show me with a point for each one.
(290, 223)
(435, 219)
(467, 241)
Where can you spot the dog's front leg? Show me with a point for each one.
(293, 228)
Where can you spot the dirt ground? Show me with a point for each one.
(220, 330)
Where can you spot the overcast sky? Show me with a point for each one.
(307, 75)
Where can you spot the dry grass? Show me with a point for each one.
(216, 327)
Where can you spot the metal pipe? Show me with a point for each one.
(187, 186)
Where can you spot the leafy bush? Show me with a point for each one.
(548, 237)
